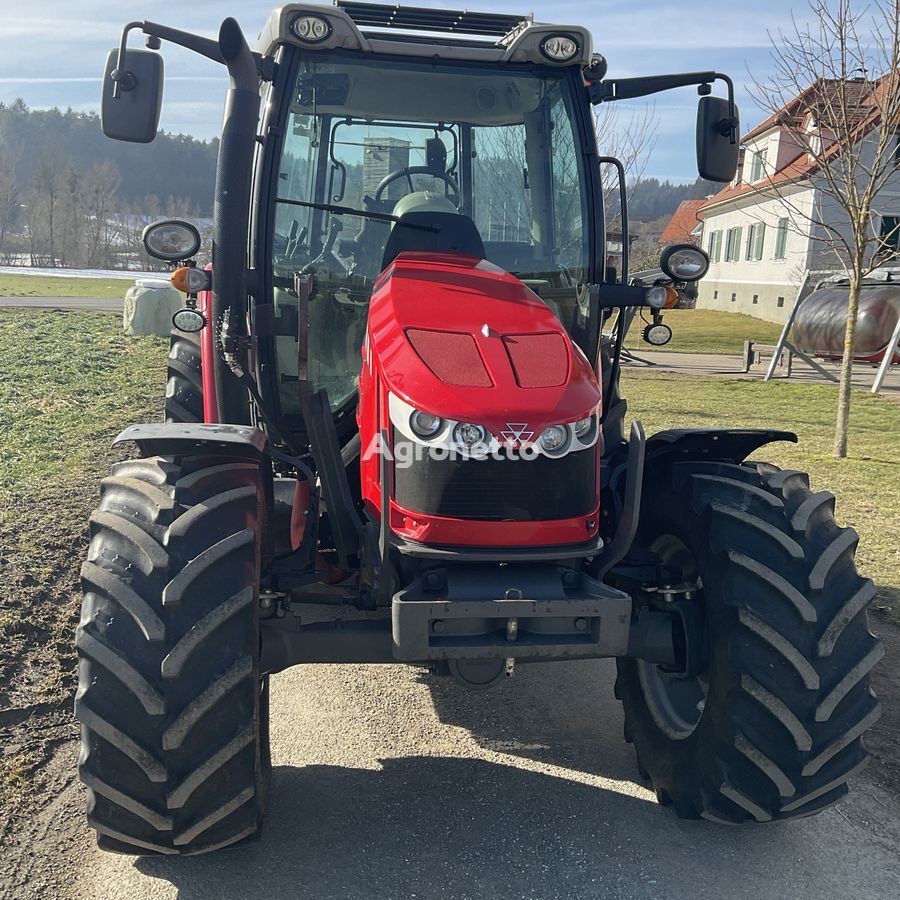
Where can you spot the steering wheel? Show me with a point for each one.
(408, 172)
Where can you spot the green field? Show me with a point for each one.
(707, 331)
(61, 286)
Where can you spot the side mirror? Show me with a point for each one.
(132, 96)
(717, 156)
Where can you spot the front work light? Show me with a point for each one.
(559, 47)
(189, 320)
(311, 29)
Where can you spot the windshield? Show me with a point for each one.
(498, 145)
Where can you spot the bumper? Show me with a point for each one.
(519, 612)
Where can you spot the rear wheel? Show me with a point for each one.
(769, 725)
(173, 712)
(184, 387)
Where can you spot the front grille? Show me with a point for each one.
(511, 490)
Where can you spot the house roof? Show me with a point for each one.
(684, 220)
(864, 113)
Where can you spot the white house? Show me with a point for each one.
(757, 230)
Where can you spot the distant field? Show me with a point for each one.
(53, 286)
(707, 331)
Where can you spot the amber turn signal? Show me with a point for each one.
(191, 280)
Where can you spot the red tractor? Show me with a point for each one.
(394, 434)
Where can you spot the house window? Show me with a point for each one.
(897, 148)
(781, 238)
(756, 168)
(715, 295)
(780, 302)
(890, 235)
(733, 297)
(733, 244)
(759, 240)
(755, 299)
(756, 237)
(715, 246)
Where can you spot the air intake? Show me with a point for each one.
(445, 21)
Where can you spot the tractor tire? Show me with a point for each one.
(784, 699)
(173, 711)
(184, 386)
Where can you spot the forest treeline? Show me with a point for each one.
(71, 197)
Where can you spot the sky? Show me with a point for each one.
(52, 53)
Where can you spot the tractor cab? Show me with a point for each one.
(381, 154)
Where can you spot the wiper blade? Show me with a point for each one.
(350, 211)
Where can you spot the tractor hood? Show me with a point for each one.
(460, 338)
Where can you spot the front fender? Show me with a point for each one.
(719, 444)
(178, 439)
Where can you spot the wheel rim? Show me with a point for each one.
(676, 706)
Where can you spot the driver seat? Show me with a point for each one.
(438, 232)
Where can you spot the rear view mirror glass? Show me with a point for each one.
(717, 156)
(133, 115)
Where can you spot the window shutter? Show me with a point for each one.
(781, 239)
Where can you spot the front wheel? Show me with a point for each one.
(768, 726)
(173, 711)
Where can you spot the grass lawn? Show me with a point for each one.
(53, 286)
(707, 331)
(866, 484)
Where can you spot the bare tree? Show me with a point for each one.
(835, 90)
(101, 184)
(9, 199)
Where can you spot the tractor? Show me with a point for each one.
(394, 434)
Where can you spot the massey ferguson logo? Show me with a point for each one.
(516, 433)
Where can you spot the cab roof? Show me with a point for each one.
(424, 32)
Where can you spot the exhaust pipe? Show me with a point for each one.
(231, 214)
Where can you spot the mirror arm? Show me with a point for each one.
(208, 47)
(629, 88)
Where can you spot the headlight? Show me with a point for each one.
(469, 435)
(583, 426)
(311, 29)
(425, 425)
(554, 438)
(559, 47)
